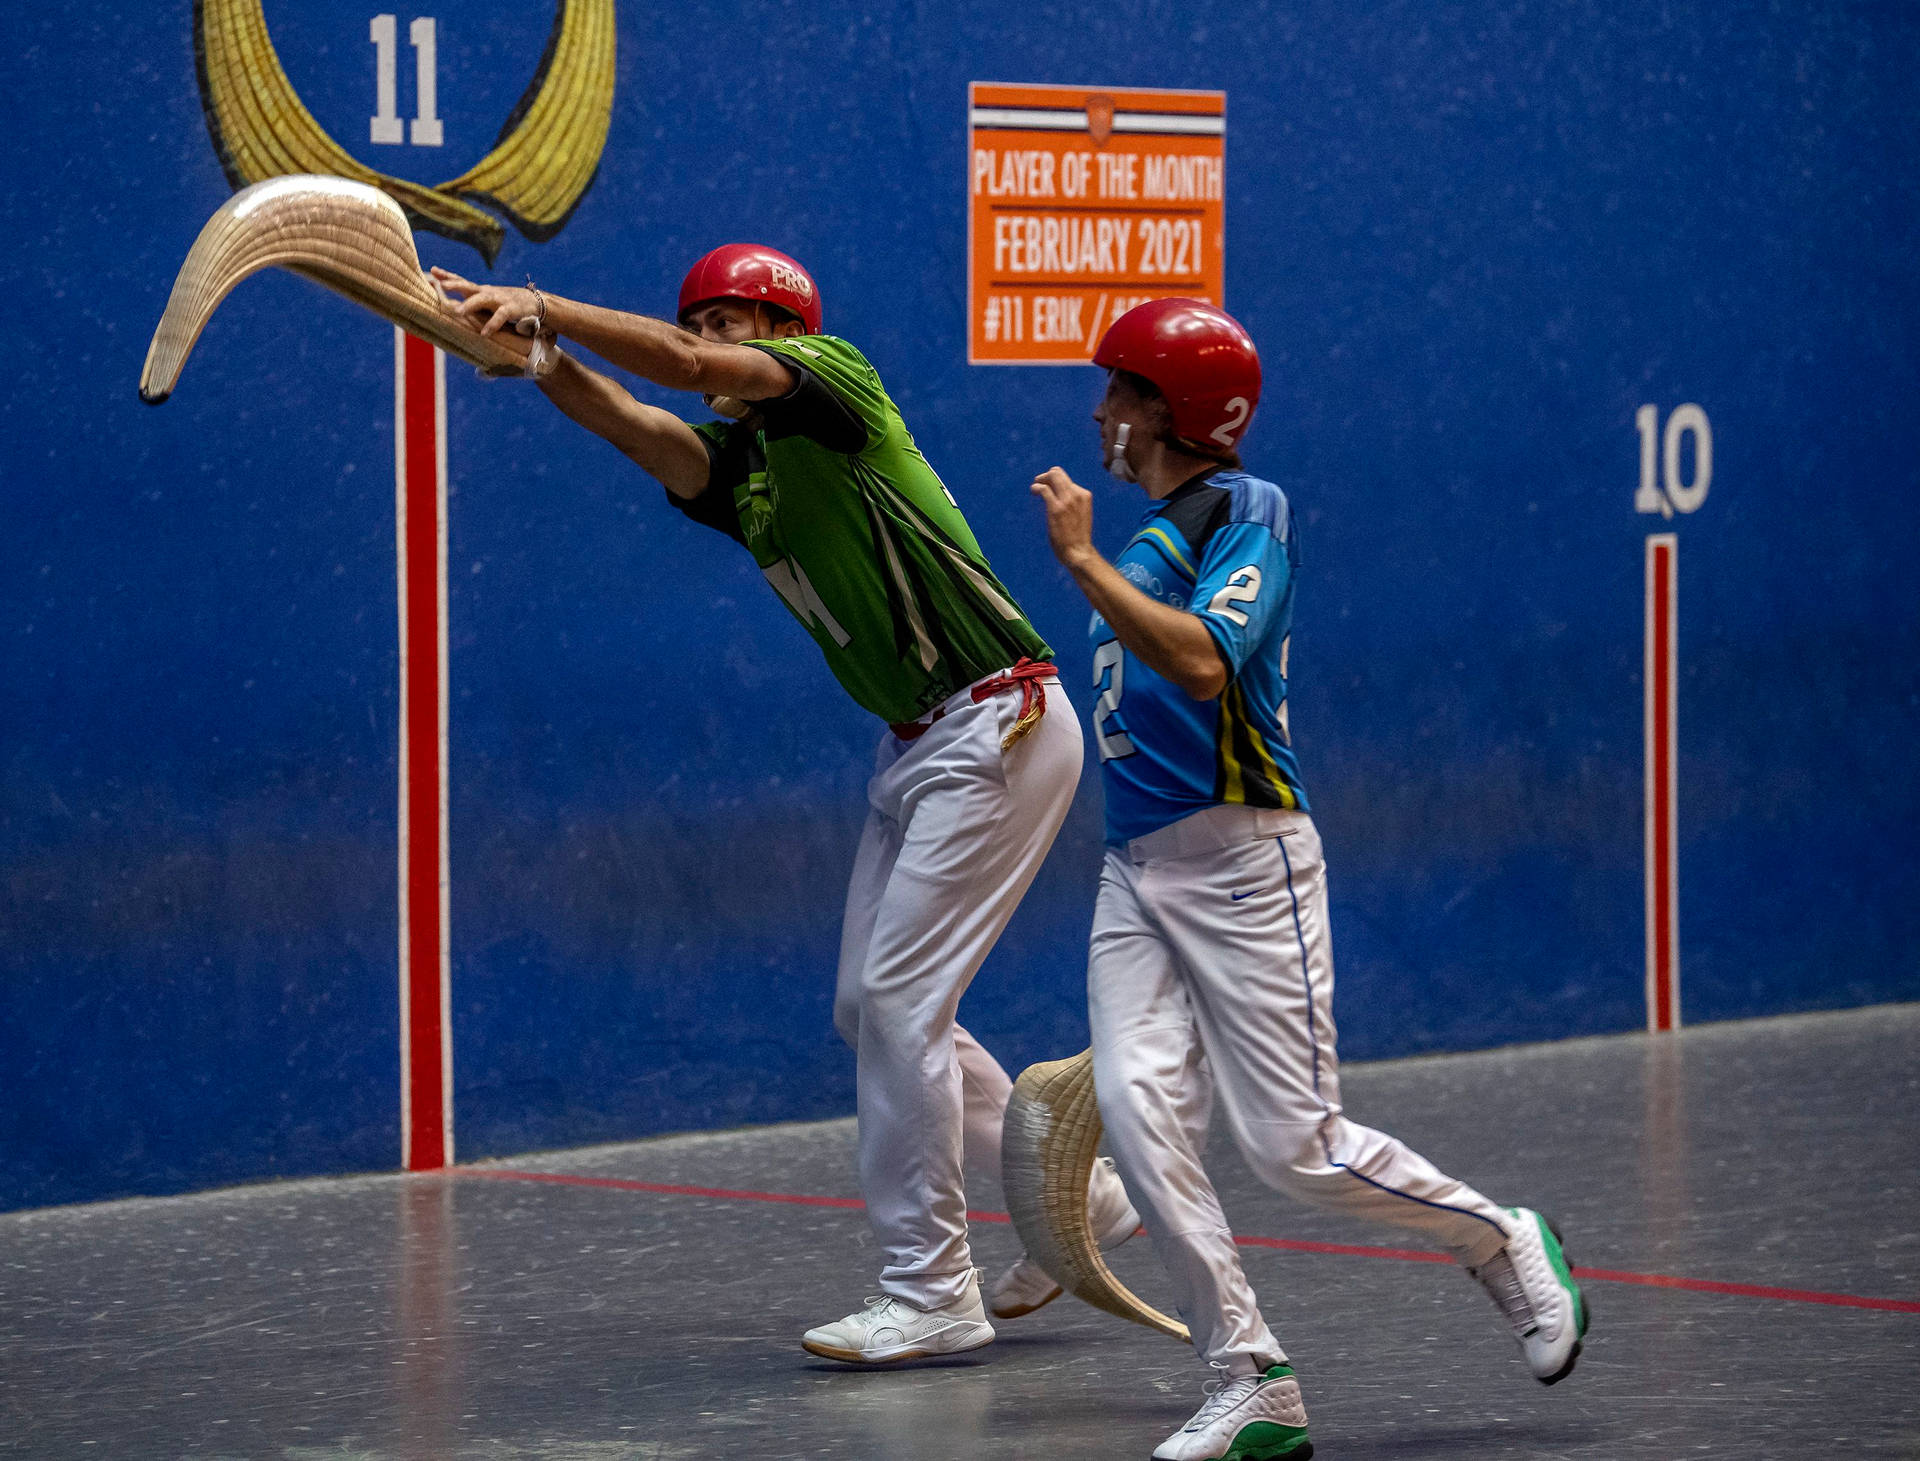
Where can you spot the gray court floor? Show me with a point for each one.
(499, 1313)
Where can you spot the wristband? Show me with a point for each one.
(535, 324)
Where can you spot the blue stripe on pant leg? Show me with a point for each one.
(1313, 1038)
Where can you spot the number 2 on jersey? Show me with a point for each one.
(1242, 587)
(1109, 670)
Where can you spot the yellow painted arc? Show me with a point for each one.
(536, 174)
(548, 154)
(262, 129)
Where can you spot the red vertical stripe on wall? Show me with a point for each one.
(1663, 936)
(426, 1105)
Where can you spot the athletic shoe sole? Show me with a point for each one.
(1300, 1449)
(1024, 1309)
(896, 1356)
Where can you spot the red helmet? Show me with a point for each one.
(757, 274)
(1201, 360)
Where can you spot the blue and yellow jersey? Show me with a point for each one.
(1221, 547)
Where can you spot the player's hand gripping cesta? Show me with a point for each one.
(491, 307)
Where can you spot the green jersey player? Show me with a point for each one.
(815, 473)
(852, 526)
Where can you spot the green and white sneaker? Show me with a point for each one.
(1531, 1284)
(1252, 1418)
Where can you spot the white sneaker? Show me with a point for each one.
(1027, 1286)
(1530, 1282)
(1024, 1287)
(891, 1329)
(1253, 1418)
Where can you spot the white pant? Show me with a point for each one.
(956, 831)
(1211, 974)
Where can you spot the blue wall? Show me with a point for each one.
(1470, 244)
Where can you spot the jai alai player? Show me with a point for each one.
(1210, 973)
(817, 476)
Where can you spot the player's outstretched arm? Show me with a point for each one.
(652, 349)
(1171, 641)
(658, 441)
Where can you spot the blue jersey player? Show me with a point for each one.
(1210, 973)
(1220, 547)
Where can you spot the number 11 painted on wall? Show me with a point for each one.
(425, 130)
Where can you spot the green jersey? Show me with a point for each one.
(857, 533)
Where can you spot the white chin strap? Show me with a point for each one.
(1117, 462)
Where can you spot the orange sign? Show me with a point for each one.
(1082, 204)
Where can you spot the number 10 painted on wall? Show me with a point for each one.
(1664, 492)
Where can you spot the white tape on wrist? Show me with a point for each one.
(544, 357)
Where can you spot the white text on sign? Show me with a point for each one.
(1081, 204)
(1027, 172)
(1043, 244)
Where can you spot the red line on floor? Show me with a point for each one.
(1345, 1250)
(1747, 1290)
(1290, 1245)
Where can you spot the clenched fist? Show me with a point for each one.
(1069, 516)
